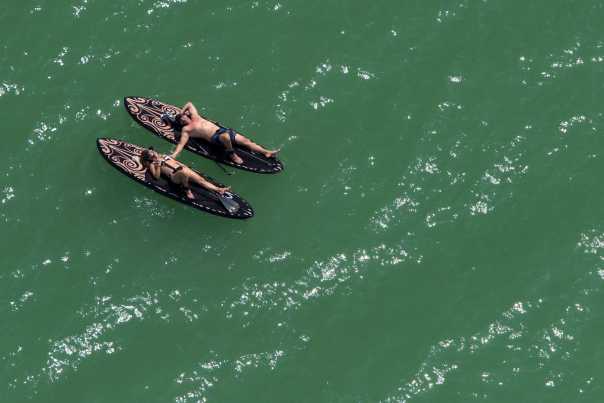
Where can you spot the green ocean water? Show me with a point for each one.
(437, 234)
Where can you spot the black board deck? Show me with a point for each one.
(126, 158)
(147, 112)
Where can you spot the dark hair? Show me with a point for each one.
(177, 123)
(146, 156)
(172, 120)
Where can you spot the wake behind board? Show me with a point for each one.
(126, 158)
(148, 113)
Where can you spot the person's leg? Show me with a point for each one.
(180, 178)
(244, 141)
(225, 138)
(201, 181)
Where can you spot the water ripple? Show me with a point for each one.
(70, 351)
(310, 87)
(323, 278)
(200, 380)
(11, 88)
(541, 339)
(163, 4)
(509, 332)
(107, 316)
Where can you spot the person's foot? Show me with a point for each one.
(189, 194)
(223, 190)
(236, 159)
(272, 154)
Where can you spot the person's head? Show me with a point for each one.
(183, 119)
(148, 156)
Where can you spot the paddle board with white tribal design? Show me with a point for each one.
(126, 158)
(148, 113)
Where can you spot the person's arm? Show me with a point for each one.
(155, 169)
(184, 137)
(189, 107)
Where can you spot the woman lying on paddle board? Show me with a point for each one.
(177, 172)
(195, 126)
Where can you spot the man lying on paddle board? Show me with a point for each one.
(195, 126)
(177, 172)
